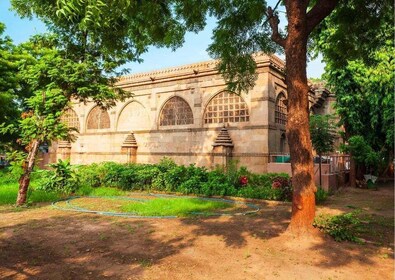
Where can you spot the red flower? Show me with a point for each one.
(243, 180)
(276, 185)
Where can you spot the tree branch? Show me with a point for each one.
(317, 14)
(274, 21)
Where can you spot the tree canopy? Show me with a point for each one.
(323, 134)
(357, 44)
(10, 99)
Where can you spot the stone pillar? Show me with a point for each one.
(129, 148)
(222, 149)
(63, 150)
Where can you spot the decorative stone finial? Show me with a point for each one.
(223, 139)
(130, 141)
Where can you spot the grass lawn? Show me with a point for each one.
(9, 192)
(153, 207)
(174, 207)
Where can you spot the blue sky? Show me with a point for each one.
(193, 50)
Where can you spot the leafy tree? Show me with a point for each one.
(54, 78)
(125, 29)
(365, 100)
(362, 152)
(357, 45)
(323, 135)
(355, 30)
(10, 88)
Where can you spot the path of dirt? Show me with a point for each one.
(44, 243)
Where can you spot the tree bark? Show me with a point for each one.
(298, 134)
(24, 180)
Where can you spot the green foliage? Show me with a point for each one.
(362, 152)
(9, 188)
(353, 30)
(166, 176)
(8, 194)
(11, 87)
(357, 44)
(322, 133)
(242, 30)
(342, 227)
(62, 179)
(218, 184)
(321, 195)
(112, 33)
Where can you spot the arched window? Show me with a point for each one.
(176, 111)
(281, 109)
(70, 118)
(226, 107)
(98, 119)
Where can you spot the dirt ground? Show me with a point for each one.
(44, 243)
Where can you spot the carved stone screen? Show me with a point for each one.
(98, 119)
(70, 118)
(281, 109)
(176, 111)
(226, 107)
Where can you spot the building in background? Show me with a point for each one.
(186, 113)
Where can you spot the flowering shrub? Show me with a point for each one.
(243, 180)
(284, 184)
(276, 185)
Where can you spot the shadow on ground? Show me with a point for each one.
(43, 243)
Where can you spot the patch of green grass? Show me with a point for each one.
(101, 191)
(174, 207)
(9, 192)
(42, 196)
(145, 262)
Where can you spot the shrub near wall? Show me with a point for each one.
(166, 176)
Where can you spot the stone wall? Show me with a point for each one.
(189, 137)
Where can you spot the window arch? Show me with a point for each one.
(176, 111)
(70, 118)
(98, 119)
(281, 113)
(226, 107)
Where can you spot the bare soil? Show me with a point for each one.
(43, 243)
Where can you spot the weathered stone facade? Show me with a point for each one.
(179, 113)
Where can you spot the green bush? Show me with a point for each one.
(169, 177)
(91, 175)
(62, 179)
(342, 227)
(321, 195)
(193, 181)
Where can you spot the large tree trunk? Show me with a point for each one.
(298, 134)
(24, 181)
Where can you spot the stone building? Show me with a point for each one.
(186, 113)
